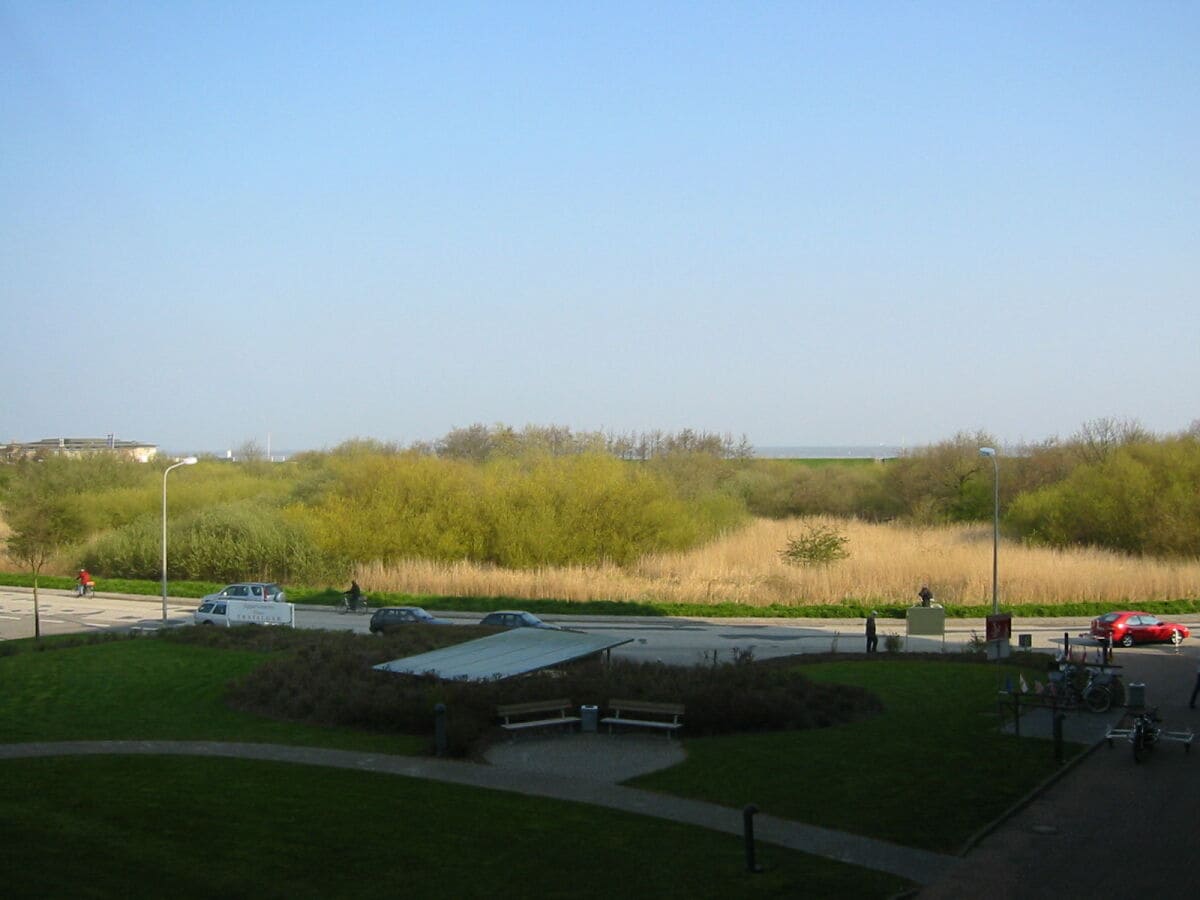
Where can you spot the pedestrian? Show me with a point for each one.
(926, 595)
(872, 639)
(1196, 689)
(84, 580)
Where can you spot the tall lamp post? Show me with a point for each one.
(990, 451)
(190, 461)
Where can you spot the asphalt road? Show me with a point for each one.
(679, 641)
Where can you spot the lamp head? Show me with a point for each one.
(190, 461)
(987, 451)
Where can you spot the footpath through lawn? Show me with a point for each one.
(928, 772)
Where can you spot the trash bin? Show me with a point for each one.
(1136, 695)
(589, 717)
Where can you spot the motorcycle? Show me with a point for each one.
(1144, 733)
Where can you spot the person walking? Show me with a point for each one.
(872, 639)
(1196, 689)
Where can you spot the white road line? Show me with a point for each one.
(53, 621)
(12, 618)
(96, 624)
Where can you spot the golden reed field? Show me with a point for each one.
(887, 563)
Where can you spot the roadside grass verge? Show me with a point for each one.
(847, 609)
(193, 827)
(928, 772)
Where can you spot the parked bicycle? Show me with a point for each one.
(1098, 692)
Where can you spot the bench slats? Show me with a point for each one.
(621, 710)
(511, 714)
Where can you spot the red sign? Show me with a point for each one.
(999, 628)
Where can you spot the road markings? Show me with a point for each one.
(12, 618)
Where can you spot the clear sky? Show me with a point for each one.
(809, 223)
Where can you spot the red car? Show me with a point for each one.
(1129, 628)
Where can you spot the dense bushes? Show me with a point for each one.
(232, 542)
(545, 497)
(512, 512)
(1140, 498)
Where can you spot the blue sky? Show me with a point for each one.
(809, 223)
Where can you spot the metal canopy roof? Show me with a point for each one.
(503, 655)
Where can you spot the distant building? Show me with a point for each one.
(65, 446)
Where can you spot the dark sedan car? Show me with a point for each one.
(390, 618)
(515, 618)
(1129, 628)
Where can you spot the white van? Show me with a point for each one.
(245, 612)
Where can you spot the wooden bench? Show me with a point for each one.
(535, 714)
(665, 716)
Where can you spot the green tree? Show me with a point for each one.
(43, 518)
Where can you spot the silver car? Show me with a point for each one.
(516, 618)
(249, 590)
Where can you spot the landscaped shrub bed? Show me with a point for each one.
(327, 678)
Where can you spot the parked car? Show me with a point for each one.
(515, 618)
(1129, 628)
(244, 612)
(249, 590)
(391, 618)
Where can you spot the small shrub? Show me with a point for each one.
(892, 643)
(820, 545)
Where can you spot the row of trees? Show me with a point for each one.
(547, 496)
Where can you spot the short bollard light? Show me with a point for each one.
(1058, 737)
(439, 729)
(748, 833)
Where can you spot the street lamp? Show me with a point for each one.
(990, 451)
(190, 461)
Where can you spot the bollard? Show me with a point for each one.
(1016, 713)
(1058, 737)
(1067, 646)
(748, 834)
(439, 729)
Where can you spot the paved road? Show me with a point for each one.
(678, 641)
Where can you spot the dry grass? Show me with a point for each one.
(888, 563)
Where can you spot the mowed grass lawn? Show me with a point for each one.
(156, 826)
(928, 772)
(146, 689)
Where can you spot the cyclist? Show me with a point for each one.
(85, 582)
(354, 595)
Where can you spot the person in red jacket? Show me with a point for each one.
(85, 582)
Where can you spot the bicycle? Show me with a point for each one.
(349, 604)
(1097, 695)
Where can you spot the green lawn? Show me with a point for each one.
(154, 826)
(146, 689)
(929, 772)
